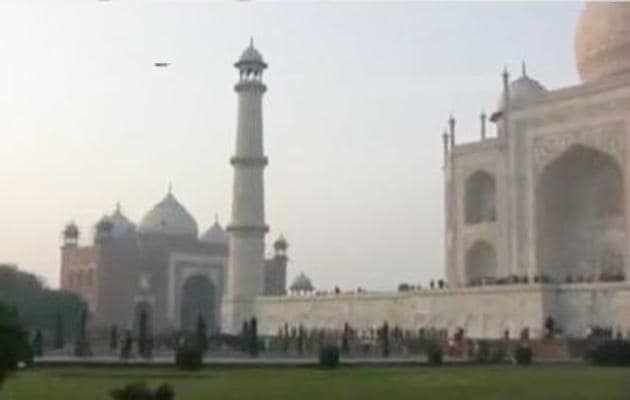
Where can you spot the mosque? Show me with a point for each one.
(161, 266)
(536, 221)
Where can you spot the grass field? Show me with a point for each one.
(487, 383)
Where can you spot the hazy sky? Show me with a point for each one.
(358, 95)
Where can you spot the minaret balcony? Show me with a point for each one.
(249, 161)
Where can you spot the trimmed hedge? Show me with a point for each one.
(140, 391)
(435, 355)
(488, 352)
(611, 353)
(523, 355)
(189, 357)
(329, 357)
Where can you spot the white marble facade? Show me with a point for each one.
(537, 220)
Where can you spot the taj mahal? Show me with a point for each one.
(537, 222)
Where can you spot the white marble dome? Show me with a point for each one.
(523, 91)
(168, 218)
(215, 235)
(602, 40)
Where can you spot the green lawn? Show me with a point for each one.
(487, 383)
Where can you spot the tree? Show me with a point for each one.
(202, 334)
(550, 327)
(285, 338)
(113, 338)
(144, 341)
(14, 346)
(301, 339)
(253, 337)
(37, 304)
(125, 349)
(59, 339)
(385, 339)
(82, 348)
(345, 338)
(38, 344)
(245, 332)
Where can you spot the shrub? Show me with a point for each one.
(482, 355)
(82, 348)
(497, 353)
(611, 353)
(435, 354)
(38, 344)
(133, 391)
(14, 346)
(189, 357)
(329, 357)
(164, 392)
(523, 355)
(59, 339)
(201, 334)
(253, 344)
(140, 391)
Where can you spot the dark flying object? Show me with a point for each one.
(161, 64)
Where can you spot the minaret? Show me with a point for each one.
(245, 275)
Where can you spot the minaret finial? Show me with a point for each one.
(506, 87)
(451, 126)
(483, 118)
(170, 188)
(216, 218)
(251, 41)
(524, 68)
(118, 207)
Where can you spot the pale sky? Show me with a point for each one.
(357, 98)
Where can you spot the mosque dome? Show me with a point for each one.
(121, 225)
(302, 283)
(168, 218)
(602, 40)
(523, 91)
(215, 234)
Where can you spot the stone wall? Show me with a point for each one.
(484, 312)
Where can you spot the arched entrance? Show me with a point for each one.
(481, 263)
(198, 298)
(480, 198)
(579, 204)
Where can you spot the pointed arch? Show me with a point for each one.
(480, 201)
(579, 201)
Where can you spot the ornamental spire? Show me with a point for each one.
(451, 126)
